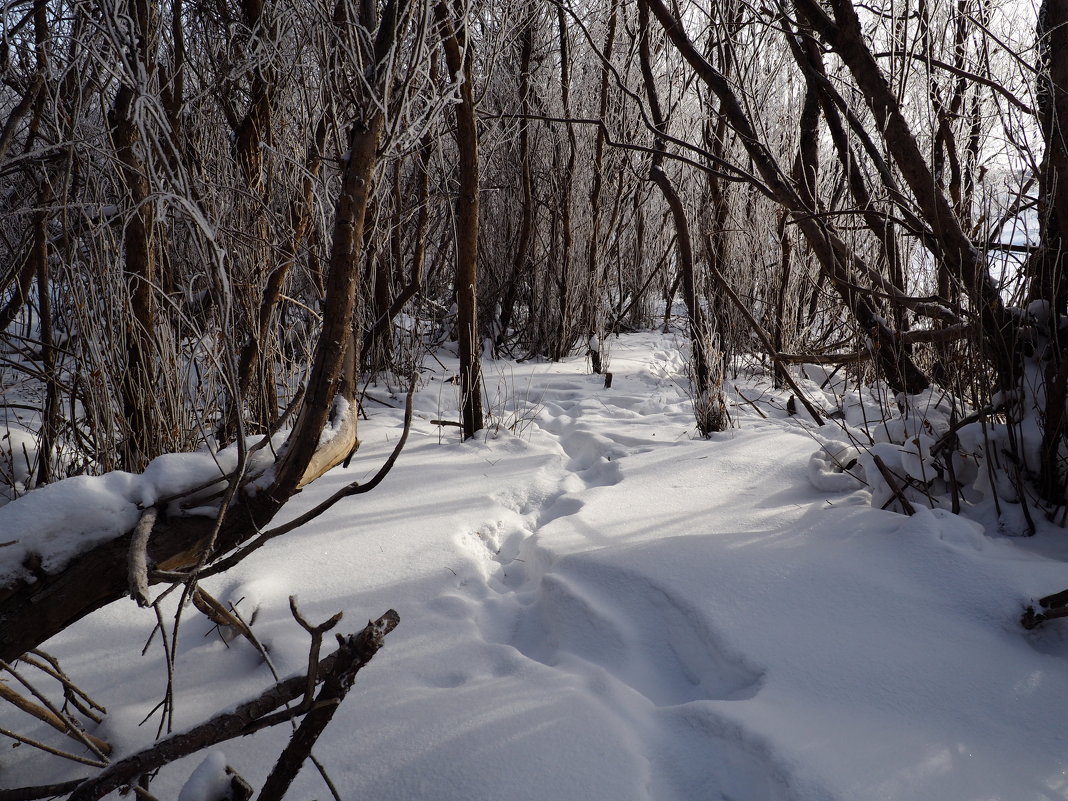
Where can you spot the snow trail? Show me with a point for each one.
(632, 642)
(602, 607)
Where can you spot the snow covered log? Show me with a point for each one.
(33, 610)
(40, 603)
(43, 599)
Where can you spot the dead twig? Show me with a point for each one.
(750, 402)
(891, 481)
(316, 633)
(72, 693)
(335, 686)
(220, 615)
(355, 488)
(53, 716)
(49, 749)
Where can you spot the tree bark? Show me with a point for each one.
(1049, 265)
(459, 58)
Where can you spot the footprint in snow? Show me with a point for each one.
(586, 616)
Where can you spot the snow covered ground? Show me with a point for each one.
(597, 606)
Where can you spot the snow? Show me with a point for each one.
(596, 604)
(339, 414)
(209, 781)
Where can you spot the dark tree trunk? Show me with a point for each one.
(711, 414)
(460, 61)
(1049, 266)
(834, 257)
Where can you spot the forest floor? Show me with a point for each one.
(597, 605)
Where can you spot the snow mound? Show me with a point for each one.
(836, 468)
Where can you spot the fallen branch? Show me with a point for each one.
(72, 693)
(446, 423)
(355, 488)
(1056, 605)
(35, 610)
(49, 714)
(340, 667)
(335, 687)
(53, 720)
(50, 750)
(316, 633)
(41, 791)
(823, 358)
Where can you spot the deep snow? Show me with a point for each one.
(597, 605)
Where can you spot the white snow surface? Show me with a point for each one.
(209, 781)
(600, 606)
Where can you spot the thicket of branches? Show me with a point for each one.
(218, 216)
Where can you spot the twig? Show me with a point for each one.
(168, 696)
(751, 403)
(71, 691)
(143, 793)
(355, 488)
(220, 615)
(322, 772)
(57, 752)
(891, 481)
(99, 748)
(316, 633)
(376, 400)
(60, 724)
(948, 438)
(335, 686)
(252, 638)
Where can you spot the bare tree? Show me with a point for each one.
(459, 58)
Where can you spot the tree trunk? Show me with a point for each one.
(1049, 266)
(460, 61)
(834, 256)
(708, 401)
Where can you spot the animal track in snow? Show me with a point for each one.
(654, 660)
(582, 615)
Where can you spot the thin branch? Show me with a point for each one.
(974, 77)
(355, 488)
(316, 633)
(49, 749)
(41, 791)
(98, 747)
